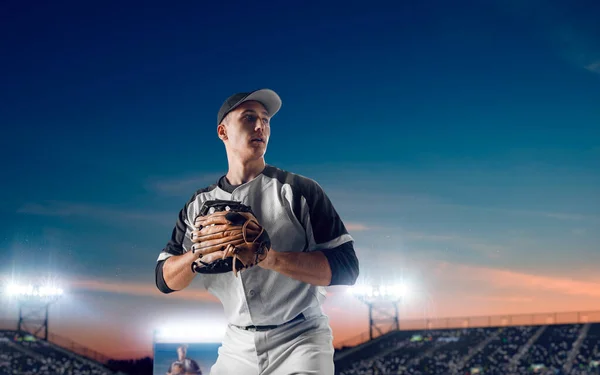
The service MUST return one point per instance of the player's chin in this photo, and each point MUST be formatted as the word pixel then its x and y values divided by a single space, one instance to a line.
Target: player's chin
pixel 258 144
pixel 258 149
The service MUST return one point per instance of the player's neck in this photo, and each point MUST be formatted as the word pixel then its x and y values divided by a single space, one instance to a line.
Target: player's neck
pixel 241 172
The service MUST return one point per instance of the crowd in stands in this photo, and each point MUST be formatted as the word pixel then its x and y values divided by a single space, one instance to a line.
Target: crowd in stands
pixel 551 349
pixel 587 360
pixel 572 349
pixel 503 346
pixel 23 354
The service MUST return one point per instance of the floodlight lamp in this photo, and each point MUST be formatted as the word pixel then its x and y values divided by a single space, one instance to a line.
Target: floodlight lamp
pixel 11 289
pixel 399 290
pixel 48 291
pixel 20 290
pixel 32 292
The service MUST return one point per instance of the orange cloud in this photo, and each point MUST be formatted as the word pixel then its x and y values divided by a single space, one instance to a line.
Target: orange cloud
pixel 503 278
pixel 139 289
pixel 356 226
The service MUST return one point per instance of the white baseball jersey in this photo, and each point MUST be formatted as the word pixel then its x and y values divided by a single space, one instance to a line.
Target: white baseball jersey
pixel 299 217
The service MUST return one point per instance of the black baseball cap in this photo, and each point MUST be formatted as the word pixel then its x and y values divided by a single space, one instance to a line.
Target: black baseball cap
pixel 266 97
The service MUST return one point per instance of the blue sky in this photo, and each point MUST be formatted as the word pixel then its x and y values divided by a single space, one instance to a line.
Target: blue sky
pixel 459 142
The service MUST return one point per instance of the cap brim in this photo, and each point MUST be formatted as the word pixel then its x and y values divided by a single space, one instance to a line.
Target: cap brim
pixel 269 98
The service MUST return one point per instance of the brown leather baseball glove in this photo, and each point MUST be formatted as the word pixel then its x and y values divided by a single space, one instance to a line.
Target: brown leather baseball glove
pixel 228 237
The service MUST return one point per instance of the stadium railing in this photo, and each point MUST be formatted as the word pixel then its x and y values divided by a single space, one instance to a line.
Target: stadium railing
pixel 77 348
pixel 577 317
pixel 62 342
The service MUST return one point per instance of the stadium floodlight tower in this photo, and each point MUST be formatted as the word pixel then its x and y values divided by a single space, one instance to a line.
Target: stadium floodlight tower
pixel 34 302
pixel 382 301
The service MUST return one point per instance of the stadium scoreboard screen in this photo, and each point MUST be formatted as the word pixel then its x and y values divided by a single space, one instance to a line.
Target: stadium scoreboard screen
pixel 182 351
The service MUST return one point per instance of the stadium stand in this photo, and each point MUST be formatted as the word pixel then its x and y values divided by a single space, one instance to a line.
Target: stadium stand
pixel 23 354
pixel 559 349
pixel 587 359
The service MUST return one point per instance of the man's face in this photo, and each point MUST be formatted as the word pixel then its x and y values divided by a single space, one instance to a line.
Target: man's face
pixel 246 131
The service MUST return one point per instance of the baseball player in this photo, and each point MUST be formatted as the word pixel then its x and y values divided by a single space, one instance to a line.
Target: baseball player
pixel 276 324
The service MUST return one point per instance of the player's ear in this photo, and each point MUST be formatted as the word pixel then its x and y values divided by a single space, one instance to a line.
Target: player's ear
pixel 222 131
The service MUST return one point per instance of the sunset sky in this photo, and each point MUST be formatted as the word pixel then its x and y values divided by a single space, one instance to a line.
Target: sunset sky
pixel 458 141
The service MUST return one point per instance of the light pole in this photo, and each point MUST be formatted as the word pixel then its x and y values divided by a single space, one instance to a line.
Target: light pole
pixel 34 301
pixel 382 301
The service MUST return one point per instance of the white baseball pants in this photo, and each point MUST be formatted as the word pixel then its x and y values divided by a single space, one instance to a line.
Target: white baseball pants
pixel 298 348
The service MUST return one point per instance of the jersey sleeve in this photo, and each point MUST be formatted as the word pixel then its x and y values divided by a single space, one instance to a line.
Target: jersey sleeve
pixel 324 227
pixel 176 245
pixel 179 240
pixel 326 232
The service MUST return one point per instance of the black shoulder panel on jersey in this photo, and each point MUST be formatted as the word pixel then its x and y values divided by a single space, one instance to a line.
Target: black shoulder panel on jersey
pixel 326 223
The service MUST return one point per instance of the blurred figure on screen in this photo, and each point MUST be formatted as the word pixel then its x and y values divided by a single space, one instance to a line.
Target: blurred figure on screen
pixel 184 365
